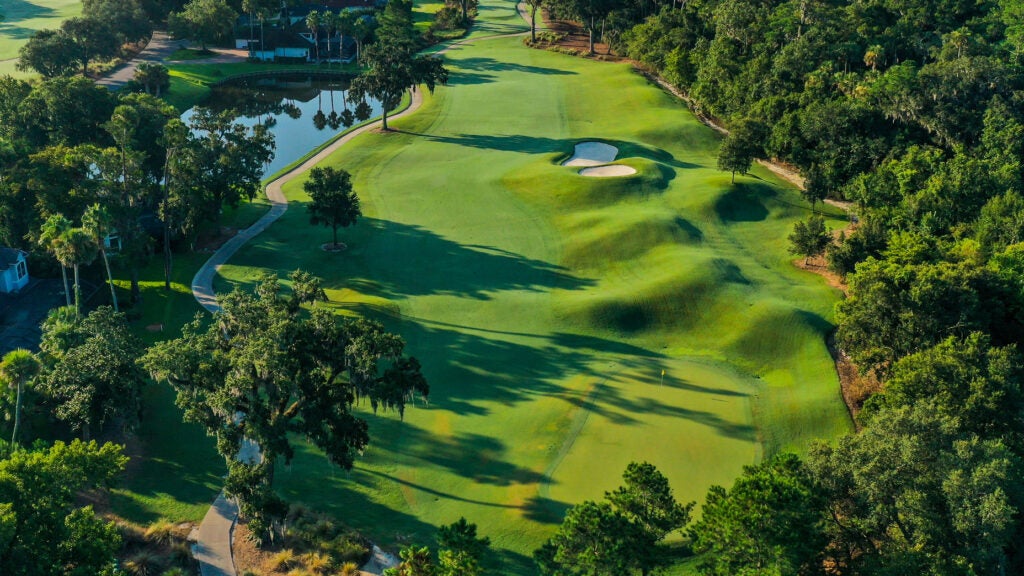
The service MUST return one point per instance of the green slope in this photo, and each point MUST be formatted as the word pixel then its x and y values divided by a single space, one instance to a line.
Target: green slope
pixel 544 306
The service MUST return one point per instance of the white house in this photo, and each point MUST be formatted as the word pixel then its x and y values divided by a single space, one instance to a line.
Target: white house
pixel 13 270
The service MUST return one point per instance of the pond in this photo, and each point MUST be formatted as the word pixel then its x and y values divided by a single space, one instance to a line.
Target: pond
pixel 302 111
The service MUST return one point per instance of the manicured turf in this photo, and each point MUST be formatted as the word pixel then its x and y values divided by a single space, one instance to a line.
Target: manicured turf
pixel 545 306
pixel 22 18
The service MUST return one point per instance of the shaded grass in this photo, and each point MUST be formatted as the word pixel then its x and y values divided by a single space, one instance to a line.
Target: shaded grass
pixel 22 18
pixel 545 307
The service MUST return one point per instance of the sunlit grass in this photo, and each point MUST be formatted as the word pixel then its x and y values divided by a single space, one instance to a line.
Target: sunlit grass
pixel 567 325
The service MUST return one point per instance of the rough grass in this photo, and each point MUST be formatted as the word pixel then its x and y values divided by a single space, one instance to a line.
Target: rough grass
pixel 545 306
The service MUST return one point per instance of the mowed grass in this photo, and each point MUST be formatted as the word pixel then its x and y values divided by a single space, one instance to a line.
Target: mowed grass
pixel 545 306
pixel 22 18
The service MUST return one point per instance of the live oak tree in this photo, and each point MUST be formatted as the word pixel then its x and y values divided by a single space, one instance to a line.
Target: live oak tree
pixel 127 18
pixel 392 65
pixel 266 372
pixel 94 38
pixel 332 201
pixel 50 53
pixel 43 530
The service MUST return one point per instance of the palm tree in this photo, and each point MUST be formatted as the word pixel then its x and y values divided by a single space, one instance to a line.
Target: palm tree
pixel 330 20
pixel 250 7
pixel 874 56
pixel 99 223
pixel 313 22
pixel 54 227
pixel 360 30
pixel 78 247
pixel 345 23
pixel 18 368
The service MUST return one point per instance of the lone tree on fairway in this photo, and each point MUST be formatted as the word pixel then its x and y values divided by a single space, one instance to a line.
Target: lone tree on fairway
pixel 392 65
pixel 741 147
pixel 334 203
pixel 266 372
pixel 809 238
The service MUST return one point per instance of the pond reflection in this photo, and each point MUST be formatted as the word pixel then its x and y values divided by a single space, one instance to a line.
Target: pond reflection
pixel 302 111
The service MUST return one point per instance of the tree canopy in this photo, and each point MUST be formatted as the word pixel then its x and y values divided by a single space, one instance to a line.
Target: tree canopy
pixel 263 371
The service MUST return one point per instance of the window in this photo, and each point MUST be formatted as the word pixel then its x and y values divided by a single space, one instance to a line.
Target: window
pixel 22 271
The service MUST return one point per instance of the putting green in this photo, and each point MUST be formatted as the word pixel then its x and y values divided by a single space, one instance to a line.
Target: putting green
pixel 545 306
pixel 22 18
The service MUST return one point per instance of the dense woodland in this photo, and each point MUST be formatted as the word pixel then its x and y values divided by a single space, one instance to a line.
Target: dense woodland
pixel 909 109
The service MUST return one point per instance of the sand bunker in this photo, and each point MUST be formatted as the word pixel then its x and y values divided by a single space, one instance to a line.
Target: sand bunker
pixel 592 154
pixel 609 170
pixel 596 156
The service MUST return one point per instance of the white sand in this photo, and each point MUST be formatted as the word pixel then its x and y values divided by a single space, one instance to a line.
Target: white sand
pixel 609 170
pixel 592 154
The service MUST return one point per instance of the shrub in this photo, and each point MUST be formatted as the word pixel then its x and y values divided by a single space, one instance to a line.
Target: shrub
pixel 144 563
pixel 283 560
pixel 317 562
pixel 160 532
pixel 181 554
pixel 349 569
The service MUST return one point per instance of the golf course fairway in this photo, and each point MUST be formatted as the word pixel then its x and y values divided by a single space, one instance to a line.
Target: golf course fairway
pixel 567 325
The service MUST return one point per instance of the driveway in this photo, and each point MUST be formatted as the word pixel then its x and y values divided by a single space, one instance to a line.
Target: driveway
pixel 160 47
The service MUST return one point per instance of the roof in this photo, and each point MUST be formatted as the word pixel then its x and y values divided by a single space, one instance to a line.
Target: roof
pixel 9 257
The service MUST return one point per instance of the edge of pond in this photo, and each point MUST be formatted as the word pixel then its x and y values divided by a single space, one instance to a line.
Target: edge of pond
pixel 402 106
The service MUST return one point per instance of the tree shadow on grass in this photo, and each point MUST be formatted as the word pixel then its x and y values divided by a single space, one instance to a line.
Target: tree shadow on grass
pixel 541 145
pixel 15 11
pixel 470 368
pixel 744 202
pixel 425 263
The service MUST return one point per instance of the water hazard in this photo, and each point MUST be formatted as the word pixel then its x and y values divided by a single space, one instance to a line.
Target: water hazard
pixel 302 111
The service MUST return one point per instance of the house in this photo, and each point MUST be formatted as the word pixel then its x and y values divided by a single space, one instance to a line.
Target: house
pixel 13 270
pixel 286 38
